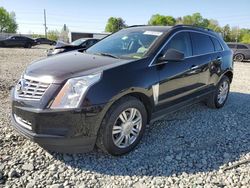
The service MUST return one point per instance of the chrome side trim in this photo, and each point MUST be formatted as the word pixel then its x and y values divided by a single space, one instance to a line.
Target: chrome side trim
pixel 23 122
pixel 186 30
pixel 155 93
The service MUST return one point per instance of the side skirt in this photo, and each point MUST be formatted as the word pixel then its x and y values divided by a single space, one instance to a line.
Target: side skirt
pixel 162 113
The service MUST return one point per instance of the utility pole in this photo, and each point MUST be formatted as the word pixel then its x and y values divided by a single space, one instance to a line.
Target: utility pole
pixel 45 25
pixel 237 34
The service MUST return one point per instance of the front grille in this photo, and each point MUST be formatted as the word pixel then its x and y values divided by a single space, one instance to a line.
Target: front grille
pixel 24 123
pixel 31 89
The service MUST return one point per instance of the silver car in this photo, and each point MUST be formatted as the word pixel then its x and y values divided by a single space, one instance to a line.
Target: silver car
pixel 241 51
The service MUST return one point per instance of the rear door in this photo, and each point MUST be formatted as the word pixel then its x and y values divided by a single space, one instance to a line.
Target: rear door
pixel 203 48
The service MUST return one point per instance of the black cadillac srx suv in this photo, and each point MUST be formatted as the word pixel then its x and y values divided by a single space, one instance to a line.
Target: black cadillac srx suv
pixel 106 95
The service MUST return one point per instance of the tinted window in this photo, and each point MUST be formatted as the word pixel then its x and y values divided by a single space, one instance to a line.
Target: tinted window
pixel 241 47
pixel 182 43
pixel 202 44
pixel 231 45
pixel 217 45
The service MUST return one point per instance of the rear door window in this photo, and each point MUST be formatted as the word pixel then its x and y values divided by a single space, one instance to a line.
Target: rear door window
pixel 241 47
pixel 217 45
pixel 182 43
pixel 202 44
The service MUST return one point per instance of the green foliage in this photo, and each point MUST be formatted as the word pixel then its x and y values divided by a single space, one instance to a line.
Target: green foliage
pixel 195 19
pixel 158 19
pixel 114 24
pixel 246 38
pixel 7 21
pixel 37 36
pixel 53 35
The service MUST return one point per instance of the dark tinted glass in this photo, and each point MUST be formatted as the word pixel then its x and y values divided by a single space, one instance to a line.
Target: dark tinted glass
pixel 202 44
pixel 182 43
pixel 231 45
pixel 241 47
pixel 217 45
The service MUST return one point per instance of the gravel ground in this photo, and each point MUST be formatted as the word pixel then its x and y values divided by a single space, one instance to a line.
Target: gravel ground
pixel 195 147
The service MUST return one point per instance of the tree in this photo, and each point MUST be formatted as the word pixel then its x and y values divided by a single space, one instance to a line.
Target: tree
pixel 226 33
pixel 115 24
pixel 7 21
pixel 53 35
pixel 214 25
pixel 158 19
pixel 246 38
pixel 195 19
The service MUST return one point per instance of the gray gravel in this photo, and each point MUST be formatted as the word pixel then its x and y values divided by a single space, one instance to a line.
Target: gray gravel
pixel 195 147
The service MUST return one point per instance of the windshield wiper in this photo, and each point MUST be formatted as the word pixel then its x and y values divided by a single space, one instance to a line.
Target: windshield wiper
pixel 108 55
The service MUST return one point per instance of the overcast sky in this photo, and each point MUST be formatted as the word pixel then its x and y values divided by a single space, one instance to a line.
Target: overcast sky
pixel 91 16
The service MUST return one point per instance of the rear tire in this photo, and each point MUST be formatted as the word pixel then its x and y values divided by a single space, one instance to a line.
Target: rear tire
pixel 239 57
pixel 220 95
pixel 122 127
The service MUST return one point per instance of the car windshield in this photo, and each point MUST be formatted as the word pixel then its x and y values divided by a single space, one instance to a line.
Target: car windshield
pixel 78 42
pixel 126 44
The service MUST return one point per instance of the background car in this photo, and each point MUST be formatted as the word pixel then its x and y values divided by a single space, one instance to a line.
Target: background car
pixel 82 43
pixel 45 41
pixel 241 51
pixel 18 41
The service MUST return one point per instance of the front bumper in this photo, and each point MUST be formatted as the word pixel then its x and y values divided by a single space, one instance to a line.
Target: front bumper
pixel 65 131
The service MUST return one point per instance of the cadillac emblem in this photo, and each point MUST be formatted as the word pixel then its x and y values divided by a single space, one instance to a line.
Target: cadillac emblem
pixel 20 86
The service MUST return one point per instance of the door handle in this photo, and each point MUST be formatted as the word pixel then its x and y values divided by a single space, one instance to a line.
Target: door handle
pixel 194 67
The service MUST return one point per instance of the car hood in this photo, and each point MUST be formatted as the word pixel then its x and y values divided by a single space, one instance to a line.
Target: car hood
pixel 71 64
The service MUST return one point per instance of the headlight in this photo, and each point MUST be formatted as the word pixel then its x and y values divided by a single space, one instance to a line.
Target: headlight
pixel 74 90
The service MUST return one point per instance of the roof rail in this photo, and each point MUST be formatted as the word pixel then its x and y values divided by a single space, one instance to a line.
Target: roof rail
pixel 135 26
pixel 193 26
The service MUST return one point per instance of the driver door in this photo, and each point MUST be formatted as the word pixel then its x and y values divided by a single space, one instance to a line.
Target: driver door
pixel 177 79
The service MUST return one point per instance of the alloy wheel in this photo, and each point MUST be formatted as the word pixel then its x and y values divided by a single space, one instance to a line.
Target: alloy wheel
pixel 223 92
pixel 127 127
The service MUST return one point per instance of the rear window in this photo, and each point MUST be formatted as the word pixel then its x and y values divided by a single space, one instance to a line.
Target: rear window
pixel 241 47
pixel 217 45
pixel 202 44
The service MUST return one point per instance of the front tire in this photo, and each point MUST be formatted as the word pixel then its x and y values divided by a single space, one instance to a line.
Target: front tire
pixel 220 95
pixel 122 127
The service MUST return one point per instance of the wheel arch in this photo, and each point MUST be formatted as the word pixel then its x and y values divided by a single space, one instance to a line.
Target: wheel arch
pixel 143 96
pixel 229 74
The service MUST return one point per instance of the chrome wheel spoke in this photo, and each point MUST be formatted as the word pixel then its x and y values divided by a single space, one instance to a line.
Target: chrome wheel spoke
pixel 117 129
pixel 127 140
pixel 119 139
pixel 123 117
pixel 134 132
pixel 132 114
pixel 138 120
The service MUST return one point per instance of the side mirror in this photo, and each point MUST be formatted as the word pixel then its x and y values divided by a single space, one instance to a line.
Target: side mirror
pixel 172 55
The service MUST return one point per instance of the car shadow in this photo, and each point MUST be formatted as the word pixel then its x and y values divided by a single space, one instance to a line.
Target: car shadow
pixel 195 139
